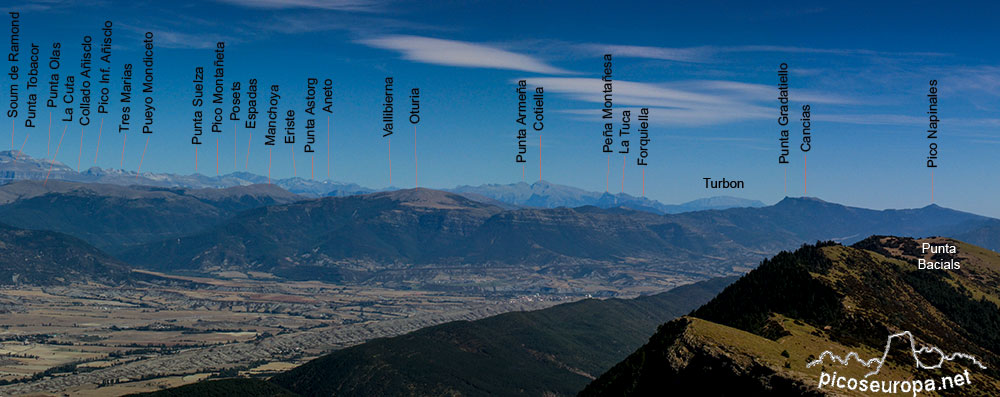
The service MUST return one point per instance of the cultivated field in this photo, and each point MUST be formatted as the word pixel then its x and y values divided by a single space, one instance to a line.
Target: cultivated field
pixel 93 339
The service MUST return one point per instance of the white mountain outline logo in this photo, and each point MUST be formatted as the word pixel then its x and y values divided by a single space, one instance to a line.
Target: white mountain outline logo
pixel 888 344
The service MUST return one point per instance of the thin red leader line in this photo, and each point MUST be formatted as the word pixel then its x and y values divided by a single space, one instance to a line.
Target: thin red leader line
pixel 49 143
pixel 539 157
pixel 217 155
pixel 79 156
pixel 124 139
pixel 607 178
pixel 142 158
pixel 389 141
pixel 56 155
pixel 416 165
pixel 12 140
pixel 249 141
pixel 644 182
pixel 623 174
pixel 805 174
pixel 328 147
pixel 21 150
pixel 99 131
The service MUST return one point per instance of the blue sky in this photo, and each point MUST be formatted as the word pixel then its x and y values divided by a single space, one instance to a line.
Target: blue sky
pixel 707 72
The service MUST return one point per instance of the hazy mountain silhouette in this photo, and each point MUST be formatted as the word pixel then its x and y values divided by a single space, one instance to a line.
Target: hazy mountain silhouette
pixel 539 194
pixel 543 194
pixel 114 217
pixel 23 167
pixel 424 226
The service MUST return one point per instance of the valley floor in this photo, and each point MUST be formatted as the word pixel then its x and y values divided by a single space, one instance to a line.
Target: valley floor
pixel 97 340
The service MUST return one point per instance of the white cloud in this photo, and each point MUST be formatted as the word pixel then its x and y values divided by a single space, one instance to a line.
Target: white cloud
pixel 49 5
pixel 169 38
pixel 459 53
pixel 334 5
pixel 915 123
pixel 975 78
pixel 693 102
pixel 357 24
pixel 872 119
pixel 767 91
pixel 694 116
pixel 831 51
pixel 706 54
pixel 627 92
pixel 689 106
pixel 695 54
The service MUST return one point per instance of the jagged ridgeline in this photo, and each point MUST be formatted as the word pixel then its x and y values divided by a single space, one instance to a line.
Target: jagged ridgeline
pixel 17 166
pixel 758 335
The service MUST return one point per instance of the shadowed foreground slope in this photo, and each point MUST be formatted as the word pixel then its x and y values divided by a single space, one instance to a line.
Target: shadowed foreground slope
pixel 553 351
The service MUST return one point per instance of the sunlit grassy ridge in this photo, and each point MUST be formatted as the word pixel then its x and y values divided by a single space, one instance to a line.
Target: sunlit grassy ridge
pixel 759 333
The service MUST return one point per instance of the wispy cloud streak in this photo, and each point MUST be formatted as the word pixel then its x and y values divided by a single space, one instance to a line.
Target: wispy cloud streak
pixel 706 54
pixel 333 5
pixel 460 53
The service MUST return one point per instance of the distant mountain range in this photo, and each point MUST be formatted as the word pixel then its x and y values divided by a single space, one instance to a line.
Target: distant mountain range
pixel 18 166
pixel 543 194
pixel 357 238
pixel 23 167
pixel 354 238
pixel 116 217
